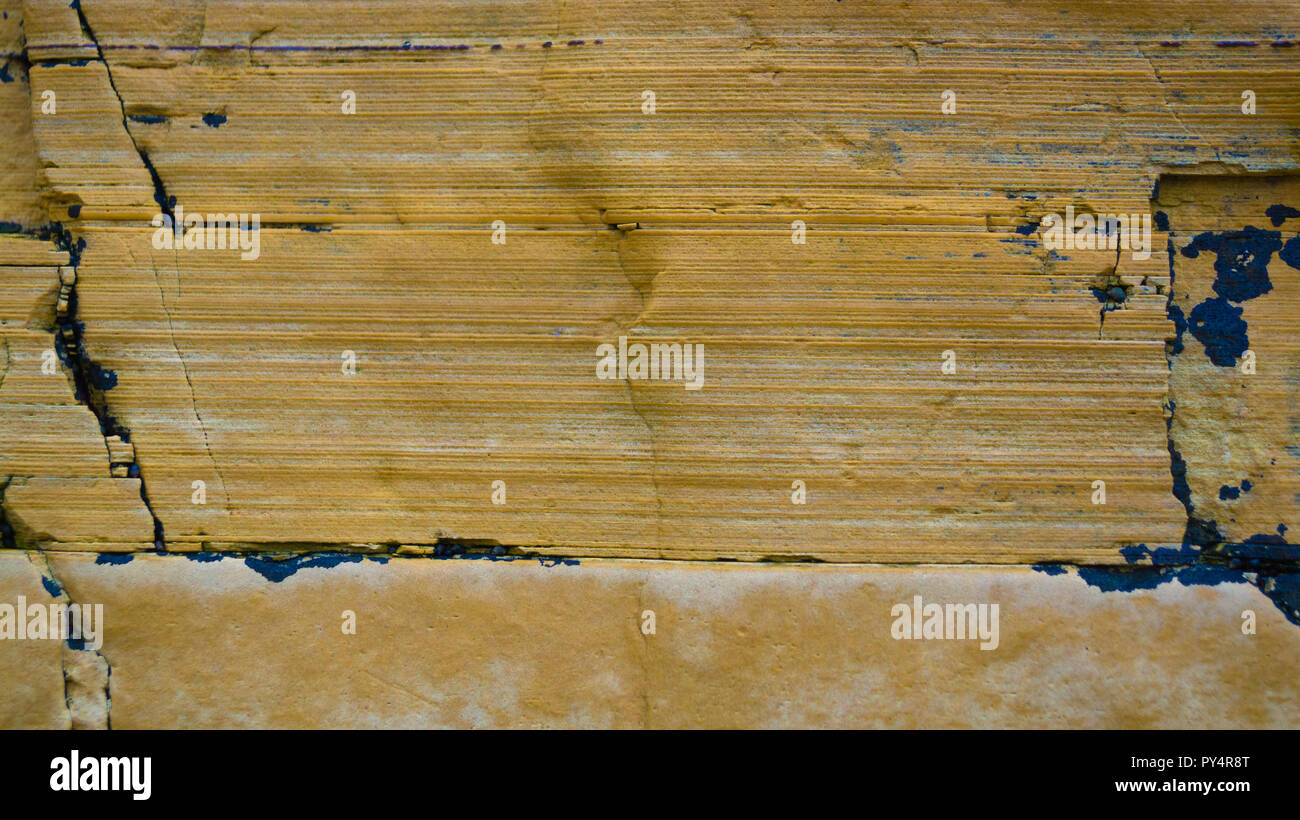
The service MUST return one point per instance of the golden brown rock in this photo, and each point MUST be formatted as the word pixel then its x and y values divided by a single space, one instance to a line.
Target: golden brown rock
pixel 377 340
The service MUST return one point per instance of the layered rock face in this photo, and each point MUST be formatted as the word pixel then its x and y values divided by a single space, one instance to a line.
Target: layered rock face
pixel 617 365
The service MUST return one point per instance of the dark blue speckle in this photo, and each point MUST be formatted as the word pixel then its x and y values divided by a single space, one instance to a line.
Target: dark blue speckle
pixel 204 557
pixel 101 377
pixel 214 120
pixel 1278 214
pixel 51 586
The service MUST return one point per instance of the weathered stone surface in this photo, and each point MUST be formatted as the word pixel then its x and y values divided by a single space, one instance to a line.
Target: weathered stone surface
pixel 203 643
pixel 31 670
pixel 85 512
pixel 1237 280
pixel 20 205
pixel 475 360
pixel 433 272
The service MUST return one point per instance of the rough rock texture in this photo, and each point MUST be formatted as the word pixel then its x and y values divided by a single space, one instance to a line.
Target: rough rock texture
pixel 458 202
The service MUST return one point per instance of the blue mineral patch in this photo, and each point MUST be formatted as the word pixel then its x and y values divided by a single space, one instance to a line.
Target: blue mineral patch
pixel 276 571
pixel 1218 326
pixel 1284 592
pixel 1175 314
pixel 1277 214
pixel 1241 260
pixel 51 586
pixel 1290 252
pixel 1129 579
pixel 1229 492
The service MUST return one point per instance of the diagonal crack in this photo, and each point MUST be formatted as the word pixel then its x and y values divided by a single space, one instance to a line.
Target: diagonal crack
pixel 166 203
pixel 185 368
pixel 1155 74
pixel 646 296
pixel 89 379
pixel 654 461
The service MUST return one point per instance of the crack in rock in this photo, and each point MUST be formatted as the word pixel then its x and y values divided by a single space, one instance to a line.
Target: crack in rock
pixel 86 672
pixel 166 203
pixel 90 381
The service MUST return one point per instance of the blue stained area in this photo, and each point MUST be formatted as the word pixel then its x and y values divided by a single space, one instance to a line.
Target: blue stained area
pixel 1290 252
pixel 1241 263
pixel 51 586
pixel 1241 274
pixel 1229 492
pixel 1128 579
pixel 1175 314
pixel 1218 326
pixel 276 570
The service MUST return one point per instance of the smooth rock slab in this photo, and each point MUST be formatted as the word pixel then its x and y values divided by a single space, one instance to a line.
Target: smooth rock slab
pixel 204 641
